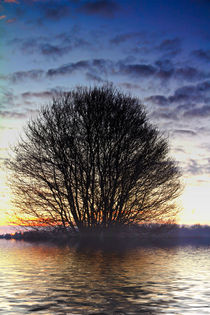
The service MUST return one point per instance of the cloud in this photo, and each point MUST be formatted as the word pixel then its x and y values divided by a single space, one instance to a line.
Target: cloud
pixel 190 101
pixel 184 132
pixel 7 97
pixel 163 70
pixel 166 115
pixel 11 20
pixel 186 106
pixel 190 73
pixel 149 70
pixel 202 54
pixel 54 11
pixel 8 114
pixel 188 95
pixel 130 86
pixel 11 1
pixel 29 45
pixel 54 50
pixel 201 112
pixel 106 8
pixel 100 67
pixel 35 74
pixel 198 92
pixel 96 67
pixel 137 70
pixel 50 47
pixel 104 66
pixel 170 47
pixel 158 99
pixel 194 168
pixel 59 50
pixel 118 39
pixel 42 94
pixel 94 77
pixel 68 68
pixel 184 73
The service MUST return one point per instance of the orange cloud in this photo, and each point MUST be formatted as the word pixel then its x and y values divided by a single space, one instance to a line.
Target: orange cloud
pixel 11 1
pixel 11 20
pixel 2 17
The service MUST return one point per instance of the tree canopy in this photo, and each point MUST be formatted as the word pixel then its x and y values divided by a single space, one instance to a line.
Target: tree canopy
pixel 91 160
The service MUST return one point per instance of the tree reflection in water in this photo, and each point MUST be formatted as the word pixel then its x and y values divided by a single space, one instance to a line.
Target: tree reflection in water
pixel 48 279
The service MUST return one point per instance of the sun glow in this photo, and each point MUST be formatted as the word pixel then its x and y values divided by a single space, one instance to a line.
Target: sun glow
pixel 195 199
pixel 196 203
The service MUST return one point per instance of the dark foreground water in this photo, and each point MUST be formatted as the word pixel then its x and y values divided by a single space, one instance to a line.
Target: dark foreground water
pixel 48 279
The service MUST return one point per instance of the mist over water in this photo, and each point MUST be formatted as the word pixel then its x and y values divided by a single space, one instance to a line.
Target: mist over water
pixel 38 278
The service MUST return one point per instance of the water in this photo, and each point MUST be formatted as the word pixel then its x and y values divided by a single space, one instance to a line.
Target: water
pixel 48 279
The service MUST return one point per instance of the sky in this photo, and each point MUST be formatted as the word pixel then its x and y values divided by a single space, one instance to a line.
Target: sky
pixel 158 51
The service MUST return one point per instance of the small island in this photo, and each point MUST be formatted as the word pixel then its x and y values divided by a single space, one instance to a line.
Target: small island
pixel 135 236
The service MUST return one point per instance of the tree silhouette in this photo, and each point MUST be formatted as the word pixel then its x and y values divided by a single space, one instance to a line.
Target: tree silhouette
pixel 91 160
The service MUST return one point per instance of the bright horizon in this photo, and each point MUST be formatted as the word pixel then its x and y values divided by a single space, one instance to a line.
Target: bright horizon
pixel 157 52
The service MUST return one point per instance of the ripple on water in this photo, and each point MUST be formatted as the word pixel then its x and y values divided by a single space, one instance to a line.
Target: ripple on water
pixel 44 279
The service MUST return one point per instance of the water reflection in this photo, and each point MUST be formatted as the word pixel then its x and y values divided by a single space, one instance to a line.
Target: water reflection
pixel 47 279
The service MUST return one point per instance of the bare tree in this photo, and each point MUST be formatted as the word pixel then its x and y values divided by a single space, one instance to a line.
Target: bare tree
pixel 91 160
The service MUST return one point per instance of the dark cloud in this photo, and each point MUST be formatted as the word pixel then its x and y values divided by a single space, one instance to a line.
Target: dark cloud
pixel 162 72
pixel 118 39
pixel 192 93
pixel 8 114
pixel 169 44
pixel 100 67
pixel 28 45
pixel 68 68
pixel 202 54
pixel 95 67
pixel 130 86
pixel 56 47
pixel 20 12
pixel 165 69
pixel 105 8
pixel 164 64
pixel 137 70
pixel 184 132
pixel 186 106
pixel 165 74
pixel 11 20
pixel 158 99
pixel 170 47
pixel 194 168
pixel 188 95
pixel 103 66
pixel 19 76
pixel 166 115
pixel 7 96
pixel 190 101
pixel 54 10
pixel 180 73
pixel 54 50
pixel 42 94
pixel 189 74
pixel 94 77
pixel 201 112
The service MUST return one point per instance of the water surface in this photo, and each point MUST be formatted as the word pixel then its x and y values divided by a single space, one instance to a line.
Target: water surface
pixel 49 279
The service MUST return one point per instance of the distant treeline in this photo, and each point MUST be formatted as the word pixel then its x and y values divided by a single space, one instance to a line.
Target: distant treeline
pixel 160 233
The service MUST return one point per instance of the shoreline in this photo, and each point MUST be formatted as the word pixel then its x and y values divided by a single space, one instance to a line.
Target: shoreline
pixel 195 235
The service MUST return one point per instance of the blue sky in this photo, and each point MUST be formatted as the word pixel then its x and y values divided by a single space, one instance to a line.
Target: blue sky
pixel 158 51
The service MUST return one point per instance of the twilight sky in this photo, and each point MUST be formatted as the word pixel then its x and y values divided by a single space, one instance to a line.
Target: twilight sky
pixel 156 50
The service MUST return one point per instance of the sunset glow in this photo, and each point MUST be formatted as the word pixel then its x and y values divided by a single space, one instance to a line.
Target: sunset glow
pixel 196 202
